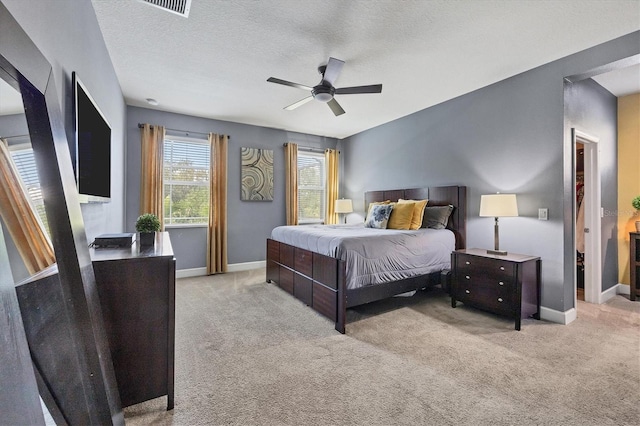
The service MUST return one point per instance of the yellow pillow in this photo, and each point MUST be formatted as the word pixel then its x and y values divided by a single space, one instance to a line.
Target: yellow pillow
pixel 418 211
pixel 400 216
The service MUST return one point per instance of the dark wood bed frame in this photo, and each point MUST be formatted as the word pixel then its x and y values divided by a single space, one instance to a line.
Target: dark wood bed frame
pixel 319 280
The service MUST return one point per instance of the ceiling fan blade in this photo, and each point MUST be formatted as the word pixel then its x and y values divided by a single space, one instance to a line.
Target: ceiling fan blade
pixel 374 88
pixel 334 66
pixel 288 83
pixel 297 104
pixel 335 107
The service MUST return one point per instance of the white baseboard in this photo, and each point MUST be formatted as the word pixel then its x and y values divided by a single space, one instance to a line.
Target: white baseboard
pixel 193 272
pixel 246 266
pixel 609 293
pixel 557 316
pixel 570 315
pixel 623 289
pixel 234 267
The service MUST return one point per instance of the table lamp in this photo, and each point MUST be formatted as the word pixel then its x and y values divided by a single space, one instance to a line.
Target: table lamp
pixel 344 205
pixel 498 205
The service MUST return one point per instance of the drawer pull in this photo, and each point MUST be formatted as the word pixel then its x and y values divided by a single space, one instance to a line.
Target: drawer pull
pixel 467 277
pixel 500 299
pixel 501 283
pixel 467 263
pixel 502 268
pixel 467 291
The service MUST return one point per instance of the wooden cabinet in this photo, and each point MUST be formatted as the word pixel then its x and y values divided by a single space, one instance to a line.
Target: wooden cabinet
pixel 503 284
pixel 634 265
pixel 137 295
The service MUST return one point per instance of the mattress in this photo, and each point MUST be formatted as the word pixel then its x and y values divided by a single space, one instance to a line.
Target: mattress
pixel 374 256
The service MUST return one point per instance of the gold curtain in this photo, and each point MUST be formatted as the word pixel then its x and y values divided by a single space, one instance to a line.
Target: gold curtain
pixel 217 235
pixel 291 182
pixel 333 185
pixel 151 171
pixel 18 215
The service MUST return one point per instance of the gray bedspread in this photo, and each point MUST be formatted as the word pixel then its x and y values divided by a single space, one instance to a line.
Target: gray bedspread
pixel 374 256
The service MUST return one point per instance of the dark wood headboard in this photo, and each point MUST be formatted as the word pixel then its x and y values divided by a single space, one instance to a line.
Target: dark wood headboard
pixel 437 196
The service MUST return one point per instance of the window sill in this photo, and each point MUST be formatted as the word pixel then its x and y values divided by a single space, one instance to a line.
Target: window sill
pixel 185 225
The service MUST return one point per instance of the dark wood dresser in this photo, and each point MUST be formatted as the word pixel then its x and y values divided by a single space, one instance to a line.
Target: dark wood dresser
pixel 634 265
pixel 503 284
pixel 137 295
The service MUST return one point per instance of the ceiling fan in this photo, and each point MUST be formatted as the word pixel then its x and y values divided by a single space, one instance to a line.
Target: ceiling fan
pixel 324 91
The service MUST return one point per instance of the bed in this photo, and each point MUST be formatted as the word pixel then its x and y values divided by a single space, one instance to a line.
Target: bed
pixel 315 268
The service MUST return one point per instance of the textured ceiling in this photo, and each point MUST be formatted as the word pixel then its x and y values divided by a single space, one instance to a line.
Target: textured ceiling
pixel 215 63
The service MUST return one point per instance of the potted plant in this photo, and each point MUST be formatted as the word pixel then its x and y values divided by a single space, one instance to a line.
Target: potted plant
pixel 147 225
pixel 636 205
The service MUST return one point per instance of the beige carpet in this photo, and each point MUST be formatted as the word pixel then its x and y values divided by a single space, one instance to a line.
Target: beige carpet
pixel 247 353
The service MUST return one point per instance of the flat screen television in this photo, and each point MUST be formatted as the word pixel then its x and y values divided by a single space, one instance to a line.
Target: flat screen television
pixel 92 163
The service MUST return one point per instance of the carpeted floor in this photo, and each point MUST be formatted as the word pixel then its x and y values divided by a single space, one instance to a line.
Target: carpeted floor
pixel 247 353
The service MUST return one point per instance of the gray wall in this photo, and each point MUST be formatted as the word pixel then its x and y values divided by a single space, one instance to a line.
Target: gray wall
pixel 510 136
pixel 249 222
pixel 68 35
pixel 507 137
pixel 13 125
pixel 592 109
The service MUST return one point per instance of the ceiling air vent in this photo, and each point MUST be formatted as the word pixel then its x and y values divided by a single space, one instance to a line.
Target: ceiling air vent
pixel 179 7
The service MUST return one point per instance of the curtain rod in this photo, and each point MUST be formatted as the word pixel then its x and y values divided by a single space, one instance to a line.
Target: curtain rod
pixel 309 148
pixel 141 125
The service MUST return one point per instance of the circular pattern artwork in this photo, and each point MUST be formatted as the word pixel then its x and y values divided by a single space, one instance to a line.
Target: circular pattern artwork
pixel 257 174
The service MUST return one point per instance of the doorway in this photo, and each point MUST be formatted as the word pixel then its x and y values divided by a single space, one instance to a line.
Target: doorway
pixel 587 225
pixel 580 264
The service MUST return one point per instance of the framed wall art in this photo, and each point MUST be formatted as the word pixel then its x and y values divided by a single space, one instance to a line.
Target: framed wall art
pixel 257 174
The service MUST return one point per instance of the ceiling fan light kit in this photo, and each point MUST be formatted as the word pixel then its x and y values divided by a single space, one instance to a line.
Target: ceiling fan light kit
pixel 325 91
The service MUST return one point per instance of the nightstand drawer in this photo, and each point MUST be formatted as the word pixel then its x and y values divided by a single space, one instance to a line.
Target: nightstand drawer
pixel 474 264
pixel 482 279
pixel 489 297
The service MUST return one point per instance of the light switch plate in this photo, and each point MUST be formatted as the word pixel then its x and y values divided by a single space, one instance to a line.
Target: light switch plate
pixel 543 214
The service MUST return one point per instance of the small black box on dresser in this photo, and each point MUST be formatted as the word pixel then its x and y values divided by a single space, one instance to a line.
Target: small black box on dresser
pixel 506 285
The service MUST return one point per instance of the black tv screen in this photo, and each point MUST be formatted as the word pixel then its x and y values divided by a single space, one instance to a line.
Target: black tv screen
pixel 93 147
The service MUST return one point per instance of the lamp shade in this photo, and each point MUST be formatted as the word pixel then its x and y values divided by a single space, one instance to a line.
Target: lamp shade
pixel 344 205
pixel 498 205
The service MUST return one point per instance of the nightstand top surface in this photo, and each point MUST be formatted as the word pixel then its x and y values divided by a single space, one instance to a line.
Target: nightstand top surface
pixel 511 257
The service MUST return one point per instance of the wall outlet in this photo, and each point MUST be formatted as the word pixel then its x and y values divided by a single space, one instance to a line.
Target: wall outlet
pixel 543 214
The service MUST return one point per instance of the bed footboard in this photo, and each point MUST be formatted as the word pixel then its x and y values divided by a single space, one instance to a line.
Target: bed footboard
pixel 315 279
pixel 320 281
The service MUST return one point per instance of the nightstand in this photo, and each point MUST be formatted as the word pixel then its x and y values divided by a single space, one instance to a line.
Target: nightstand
pixel 506 285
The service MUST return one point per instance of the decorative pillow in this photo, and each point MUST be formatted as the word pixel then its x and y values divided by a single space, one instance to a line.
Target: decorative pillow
pixel 436 217
pixel 376 203
pixel 379 216
pixel 401 216
pixel 418 212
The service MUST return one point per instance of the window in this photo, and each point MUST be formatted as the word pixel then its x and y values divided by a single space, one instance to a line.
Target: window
pixel 311 187
pixel 186 181
pixel 25 163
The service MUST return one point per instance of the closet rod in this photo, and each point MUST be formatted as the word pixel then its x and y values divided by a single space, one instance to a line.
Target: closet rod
pixel 141 125
pixel 310 149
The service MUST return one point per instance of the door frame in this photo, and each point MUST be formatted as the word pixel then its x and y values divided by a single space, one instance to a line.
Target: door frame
pixel 592 218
